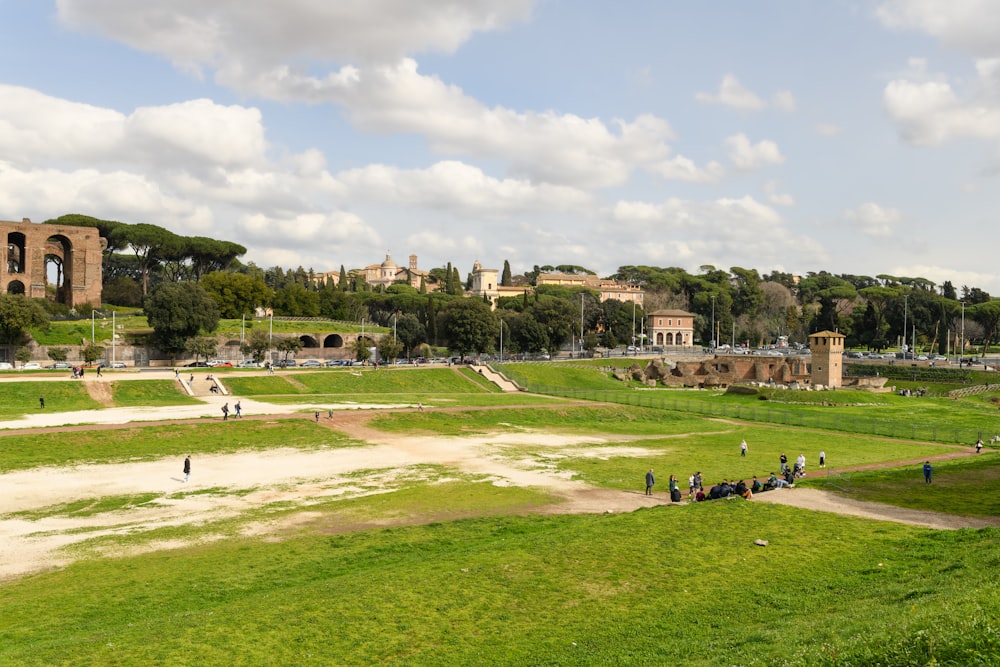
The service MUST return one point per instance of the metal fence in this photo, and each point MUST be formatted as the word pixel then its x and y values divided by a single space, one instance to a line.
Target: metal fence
pixel 770 415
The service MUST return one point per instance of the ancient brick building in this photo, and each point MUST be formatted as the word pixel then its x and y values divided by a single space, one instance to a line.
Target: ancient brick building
pixel 52 261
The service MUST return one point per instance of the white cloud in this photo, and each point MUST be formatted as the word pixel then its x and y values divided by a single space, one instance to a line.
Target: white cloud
pixel 930 113
pixel 230 34
pixel 874 220
pixel 734 94
pixel 460 188
pixel 746 156
pixel 970 25
pixel 784 100
pixel 777 198
pixel 828 129
pixel 681 168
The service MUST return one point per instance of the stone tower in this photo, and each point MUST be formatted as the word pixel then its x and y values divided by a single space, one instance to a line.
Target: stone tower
pixel 827 349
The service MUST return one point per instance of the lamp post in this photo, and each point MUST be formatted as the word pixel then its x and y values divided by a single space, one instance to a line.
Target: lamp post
pixel 633 322
pixel 92 331
pixel 501 340
pixel 961 352
pixel 903 350
pixel 711 342
pixel 581 324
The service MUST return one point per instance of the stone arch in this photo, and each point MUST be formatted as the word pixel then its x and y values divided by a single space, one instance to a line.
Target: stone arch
pixel 333 340
pixel 16 244
pixel 59 268
pixel 308 341
pixel 15 287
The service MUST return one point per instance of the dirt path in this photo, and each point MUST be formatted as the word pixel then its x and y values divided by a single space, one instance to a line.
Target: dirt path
pixel 37 526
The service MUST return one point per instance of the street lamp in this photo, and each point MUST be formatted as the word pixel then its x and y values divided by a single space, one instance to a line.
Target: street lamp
pixel 501 341
pixel 903 347
pixel 961 352
pixel 711 342
pixel 581 324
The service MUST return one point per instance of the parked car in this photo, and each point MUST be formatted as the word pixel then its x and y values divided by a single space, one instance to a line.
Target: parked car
pixel 249 363
pixel 220 363
pixel 31 366
pixel 333 362
pixel 197 364
pixel 310 363
pixel 61 364
pixel 4 366
pixel 285 363
pixel 116 364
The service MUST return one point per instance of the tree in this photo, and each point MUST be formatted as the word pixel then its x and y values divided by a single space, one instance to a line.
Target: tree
pixel 468 326
pixel 296 301
pixel 360 347
pixel 148 242
pixel 178 311
pixel 388 348
pixel 58 353
pixel 92 353
pixel 236 294
pixel 18 314
pixel 288 345
pixel 201 346
pixel 505 277
pixel 410 331
pixel 23 354
pixel 256 345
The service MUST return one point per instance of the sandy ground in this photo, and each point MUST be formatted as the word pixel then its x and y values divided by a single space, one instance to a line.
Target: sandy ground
pixel 234 484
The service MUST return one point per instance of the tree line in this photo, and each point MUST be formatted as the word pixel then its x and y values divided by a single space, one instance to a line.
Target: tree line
pixel 746 307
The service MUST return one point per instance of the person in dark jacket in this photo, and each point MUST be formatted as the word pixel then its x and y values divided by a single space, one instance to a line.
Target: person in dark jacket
pixel 650 481
pixel 187 467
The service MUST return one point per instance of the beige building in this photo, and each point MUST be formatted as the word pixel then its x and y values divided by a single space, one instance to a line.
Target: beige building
pixel 385 274
pixel 827 348
pixel 670 328
pixel 608 289
pixel 486 283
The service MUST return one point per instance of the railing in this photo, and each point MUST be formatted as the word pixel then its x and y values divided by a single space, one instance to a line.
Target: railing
pixel 768 415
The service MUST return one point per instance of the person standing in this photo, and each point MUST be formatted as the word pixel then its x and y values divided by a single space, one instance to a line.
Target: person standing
pixel 979 445
pixel 675 490
pixel 784 463
pixel 690 486
pixel 650 481
pixel 238 410
pixel 187 468
pixel 317 416
pixel 41 402
pixel 225 412
pixel 743 448
pixel 822 459
pixel 928 471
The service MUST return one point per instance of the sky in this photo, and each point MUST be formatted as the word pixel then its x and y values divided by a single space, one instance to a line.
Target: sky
pixel 823 135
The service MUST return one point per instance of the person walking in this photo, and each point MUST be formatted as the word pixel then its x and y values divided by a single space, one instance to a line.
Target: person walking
pixel 187 468
pixel 238 410
pixel 743 448
pixel 317 416
pixel 928 471
pixel 822 459
pixel 979 445
pixel 650 481
pixel 225 412
pixel 99 366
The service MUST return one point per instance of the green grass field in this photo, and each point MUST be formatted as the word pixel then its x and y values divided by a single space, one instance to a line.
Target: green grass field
pixel 432 566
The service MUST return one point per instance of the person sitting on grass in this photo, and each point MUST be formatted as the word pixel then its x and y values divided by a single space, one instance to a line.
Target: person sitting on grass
pixel 699 495
pixel 756 486
pixel 740 489
pixel 776 482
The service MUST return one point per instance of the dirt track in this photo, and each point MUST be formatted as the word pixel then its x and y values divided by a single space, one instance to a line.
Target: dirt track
pixel 244 482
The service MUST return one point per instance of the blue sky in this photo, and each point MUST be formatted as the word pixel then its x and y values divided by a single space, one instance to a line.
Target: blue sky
pixel 851 137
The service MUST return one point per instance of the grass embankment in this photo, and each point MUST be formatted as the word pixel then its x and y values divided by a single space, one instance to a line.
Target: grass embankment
pixel 20 398
pixel 441 387
pixel 884 414
pixel 661 586
pixel 153 393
